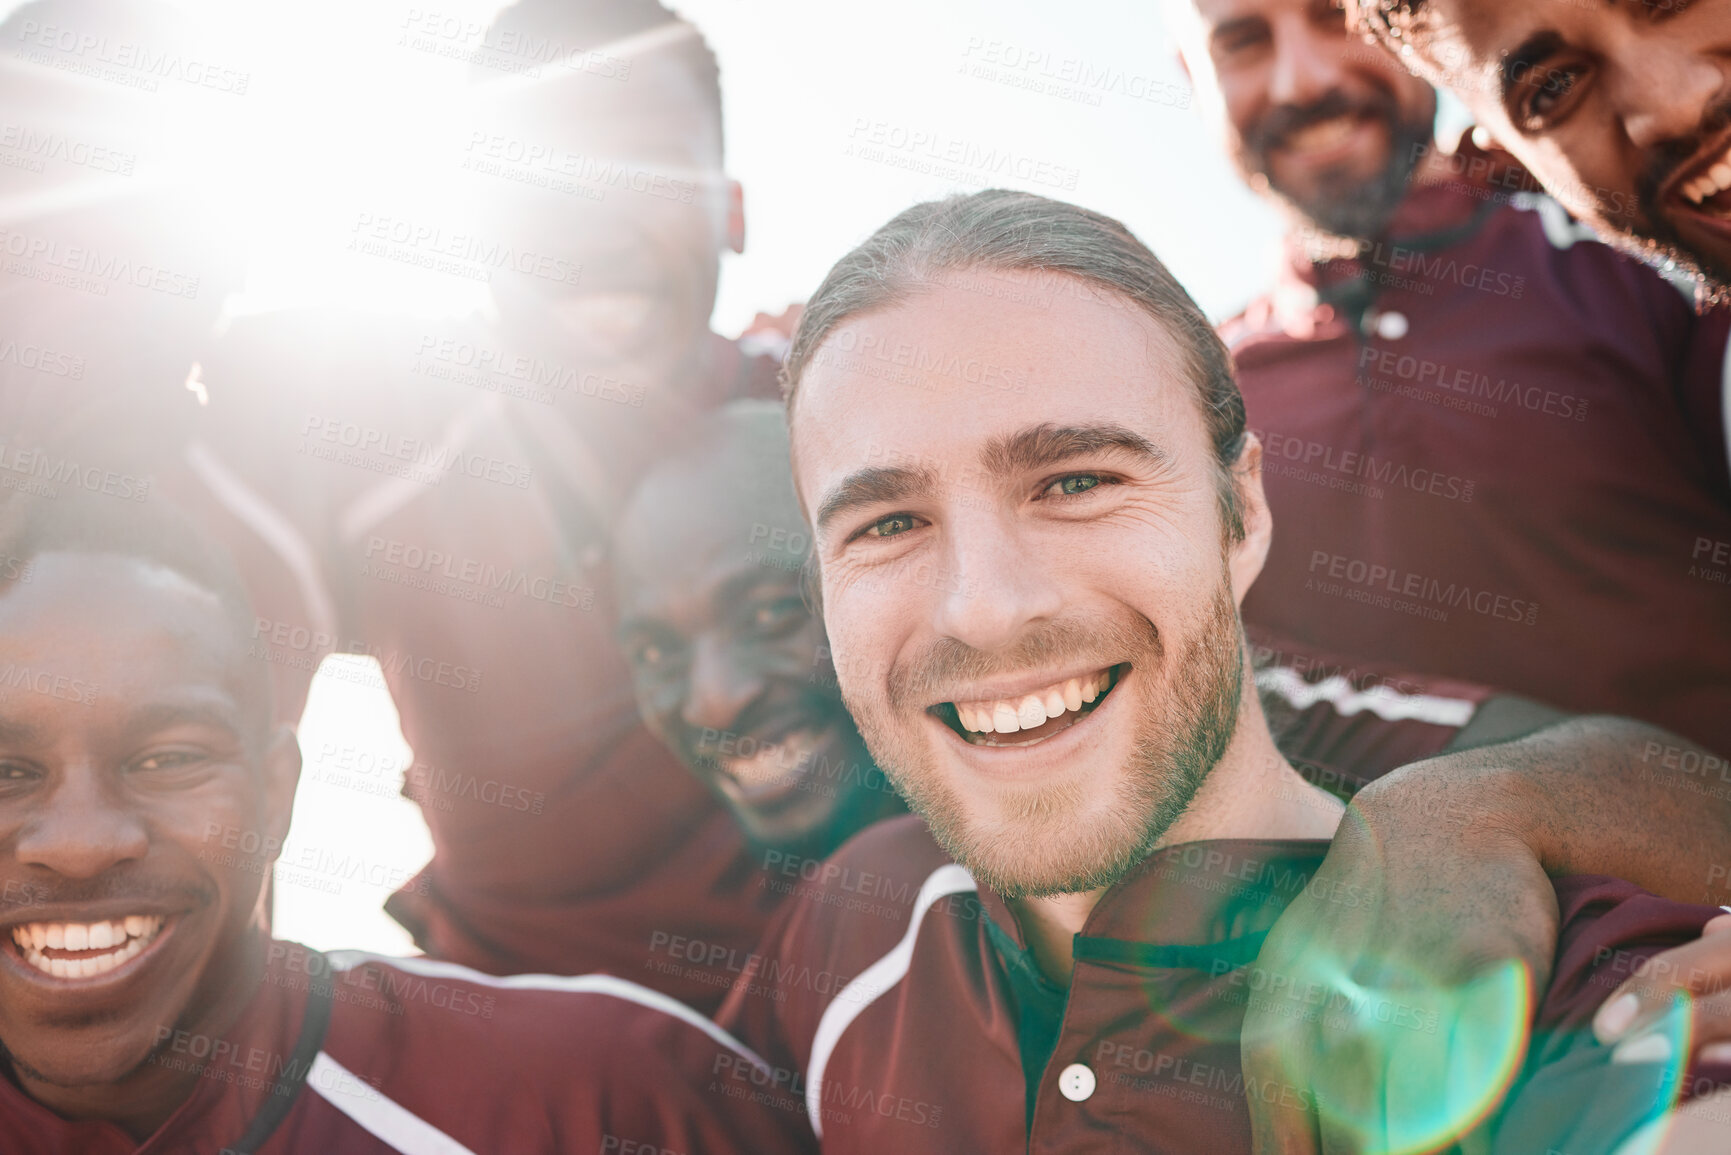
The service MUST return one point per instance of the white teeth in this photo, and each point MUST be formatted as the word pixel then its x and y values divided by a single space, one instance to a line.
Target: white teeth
pixel 1715 180
pixel 1322 134
pixel 119 939
pixel 1007 717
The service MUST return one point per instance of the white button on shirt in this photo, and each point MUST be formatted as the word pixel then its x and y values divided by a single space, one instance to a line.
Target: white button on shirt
pixel 1076 1082
pixel 1392 326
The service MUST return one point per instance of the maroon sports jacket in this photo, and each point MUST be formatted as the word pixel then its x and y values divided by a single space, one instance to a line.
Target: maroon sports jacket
pixel 1496 449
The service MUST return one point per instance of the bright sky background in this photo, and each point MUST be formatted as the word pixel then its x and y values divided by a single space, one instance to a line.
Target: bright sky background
pixel 838 115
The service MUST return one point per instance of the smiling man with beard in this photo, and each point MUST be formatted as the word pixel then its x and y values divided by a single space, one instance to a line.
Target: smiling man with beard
pixel 1487 435
pixel 1492 446
pixel 1620 110
pixel 730 661
pixel 1033 603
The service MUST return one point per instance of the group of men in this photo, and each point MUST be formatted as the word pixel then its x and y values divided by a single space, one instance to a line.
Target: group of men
pixel 1309 735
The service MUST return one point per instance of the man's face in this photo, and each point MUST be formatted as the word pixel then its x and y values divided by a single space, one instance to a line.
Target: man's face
pixel 137 809
pixel 1031 603
pixel 626 223
pixel 730 664
pixel 1327 123
pixel 1621 110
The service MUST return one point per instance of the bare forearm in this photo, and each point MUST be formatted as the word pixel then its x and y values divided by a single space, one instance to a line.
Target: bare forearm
pixel 1604 795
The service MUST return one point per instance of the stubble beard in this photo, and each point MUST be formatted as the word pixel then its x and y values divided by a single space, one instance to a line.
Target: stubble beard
pixel 1056 839
pixel 1357 209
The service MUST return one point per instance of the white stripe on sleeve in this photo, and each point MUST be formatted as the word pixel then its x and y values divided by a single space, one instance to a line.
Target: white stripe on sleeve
pixel 872 982
pixel 594 984
pixel 383 1118
pixel 1384 701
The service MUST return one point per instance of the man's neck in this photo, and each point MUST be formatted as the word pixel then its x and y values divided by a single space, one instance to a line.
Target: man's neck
pixel 1252 793
pixel 143 1100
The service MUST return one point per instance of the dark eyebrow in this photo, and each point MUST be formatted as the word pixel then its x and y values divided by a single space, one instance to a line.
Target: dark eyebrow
pixel 18 733
pixel 874 485
pixel 1236 25
pixel 1046 445
pixel 1516 66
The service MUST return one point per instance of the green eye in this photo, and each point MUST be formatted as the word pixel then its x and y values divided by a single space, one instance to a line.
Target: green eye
pixel 1080 483
pixel 892 526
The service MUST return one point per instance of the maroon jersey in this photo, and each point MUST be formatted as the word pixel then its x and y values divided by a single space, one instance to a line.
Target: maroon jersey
pixel 1496 449
pixel 946 1036
pixel 353 1054
pixel 443 502
pixel 899 1007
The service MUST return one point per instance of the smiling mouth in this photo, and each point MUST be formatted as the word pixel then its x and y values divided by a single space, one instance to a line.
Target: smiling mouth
pixel 1323 135
pixel 83 950
pixel 1031 718
pixel 1709 190
pixel 772 766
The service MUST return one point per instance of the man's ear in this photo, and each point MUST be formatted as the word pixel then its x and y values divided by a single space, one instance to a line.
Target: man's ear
pixel 281 768
pixel 1246 557
pixel 735 217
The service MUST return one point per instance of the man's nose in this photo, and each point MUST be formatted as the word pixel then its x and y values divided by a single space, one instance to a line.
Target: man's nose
pixel 1307 64
pixel 82 828
pixel 989 588
pixel 719 686
pixel 1665 89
